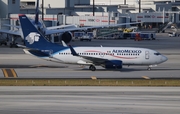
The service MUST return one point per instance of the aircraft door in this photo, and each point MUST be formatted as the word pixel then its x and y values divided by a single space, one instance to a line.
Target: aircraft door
pixel 101 55
pixel 146 54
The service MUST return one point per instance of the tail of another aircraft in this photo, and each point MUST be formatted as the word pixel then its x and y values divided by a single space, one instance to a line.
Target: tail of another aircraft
pixel 39 23
pixel 37 13
pixel 33 38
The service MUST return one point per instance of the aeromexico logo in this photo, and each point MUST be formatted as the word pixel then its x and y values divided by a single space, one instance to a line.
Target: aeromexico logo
pixel 32 37
pixel 126 51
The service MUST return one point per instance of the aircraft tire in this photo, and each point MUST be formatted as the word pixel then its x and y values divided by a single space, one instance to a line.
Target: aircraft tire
pixel 149 68
pixel 92 68
pixel 11 45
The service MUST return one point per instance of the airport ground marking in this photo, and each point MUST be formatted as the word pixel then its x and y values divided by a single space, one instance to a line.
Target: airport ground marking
pixel 5 73
pixel 89 82
pixel 145 77
pixel 14 73
pixel 9 73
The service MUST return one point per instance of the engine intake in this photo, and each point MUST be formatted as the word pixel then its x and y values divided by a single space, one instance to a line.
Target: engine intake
pixel 66 37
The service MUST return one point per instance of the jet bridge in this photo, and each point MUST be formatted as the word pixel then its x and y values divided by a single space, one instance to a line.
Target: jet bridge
pixel 164 27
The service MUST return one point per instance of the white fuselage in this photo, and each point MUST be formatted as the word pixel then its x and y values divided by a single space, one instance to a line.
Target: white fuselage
pixel 128 55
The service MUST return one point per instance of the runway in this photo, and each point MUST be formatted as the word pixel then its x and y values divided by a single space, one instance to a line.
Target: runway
pixel 31 67
pixel 89 100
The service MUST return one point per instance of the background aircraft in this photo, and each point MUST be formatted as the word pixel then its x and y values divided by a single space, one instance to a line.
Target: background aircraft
pixel 107 57
pixel 39 24
pixel 64 34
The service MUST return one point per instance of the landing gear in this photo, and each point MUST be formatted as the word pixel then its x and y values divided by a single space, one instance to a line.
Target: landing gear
pixel 13 45
pixel 149 68
pixel 92 68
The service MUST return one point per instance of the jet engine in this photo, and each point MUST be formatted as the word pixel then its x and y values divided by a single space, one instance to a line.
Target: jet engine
pixel 113 64
pixel 66 37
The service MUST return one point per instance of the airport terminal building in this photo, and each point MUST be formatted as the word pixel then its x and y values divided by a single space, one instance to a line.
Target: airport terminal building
pixel 80 12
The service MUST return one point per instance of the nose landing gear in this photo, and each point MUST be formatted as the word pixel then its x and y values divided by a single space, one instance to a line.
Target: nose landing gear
pixel 150 66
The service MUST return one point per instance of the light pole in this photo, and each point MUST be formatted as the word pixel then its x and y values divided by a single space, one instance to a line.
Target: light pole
pixel 139 6
pixel 93 7
pixel 43 10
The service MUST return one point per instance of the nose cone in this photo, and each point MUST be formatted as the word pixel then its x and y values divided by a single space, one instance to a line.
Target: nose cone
pixel 164 58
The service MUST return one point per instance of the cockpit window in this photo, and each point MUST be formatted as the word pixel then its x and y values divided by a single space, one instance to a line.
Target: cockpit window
pixel 157 54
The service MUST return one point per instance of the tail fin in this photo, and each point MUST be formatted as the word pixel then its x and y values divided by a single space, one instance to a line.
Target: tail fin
pixel 37 13
pixel 32 37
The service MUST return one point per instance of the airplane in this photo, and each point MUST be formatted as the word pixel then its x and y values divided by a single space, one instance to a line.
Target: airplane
pixel 39 24
pixel 64 34
pixel 107 57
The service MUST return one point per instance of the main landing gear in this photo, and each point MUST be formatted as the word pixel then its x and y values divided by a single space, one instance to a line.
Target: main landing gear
pixel 13 45
pixel 149 68
pixel 92 68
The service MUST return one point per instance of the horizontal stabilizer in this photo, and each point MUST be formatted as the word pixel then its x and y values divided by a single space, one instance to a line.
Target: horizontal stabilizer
pixel 37 53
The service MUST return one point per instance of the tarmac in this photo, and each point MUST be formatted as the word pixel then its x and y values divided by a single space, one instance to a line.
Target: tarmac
pixel 26 66
pixel 89 100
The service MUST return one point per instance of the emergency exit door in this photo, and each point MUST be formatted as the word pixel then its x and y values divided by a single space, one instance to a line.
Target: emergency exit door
pixel 147 54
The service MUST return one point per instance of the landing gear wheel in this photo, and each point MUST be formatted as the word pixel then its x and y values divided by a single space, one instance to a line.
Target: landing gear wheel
pixel 13 45
pixel 149 68
pixel 92 68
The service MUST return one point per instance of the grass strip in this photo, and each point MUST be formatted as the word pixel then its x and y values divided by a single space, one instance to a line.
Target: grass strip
pixel 89 82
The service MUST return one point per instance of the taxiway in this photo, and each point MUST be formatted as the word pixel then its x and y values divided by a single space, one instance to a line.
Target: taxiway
pixel 27 66
pixel 89 100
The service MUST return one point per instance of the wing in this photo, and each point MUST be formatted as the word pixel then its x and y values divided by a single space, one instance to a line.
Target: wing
pixel 61 27
pixel 17 33
pixel 48 32
pixel 94 60
pixel 12 26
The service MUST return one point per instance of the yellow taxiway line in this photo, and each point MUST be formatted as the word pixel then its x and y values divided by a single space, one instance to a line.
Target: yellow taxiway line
pixel 9 73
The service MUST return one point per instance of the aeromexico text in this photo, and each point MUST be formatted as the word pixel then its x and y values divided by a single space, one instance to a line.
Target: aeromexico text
pixel 126 51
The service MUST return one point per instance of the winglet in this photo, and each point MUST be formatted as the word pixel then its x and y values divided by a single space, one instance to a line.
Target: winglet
pixel 73 52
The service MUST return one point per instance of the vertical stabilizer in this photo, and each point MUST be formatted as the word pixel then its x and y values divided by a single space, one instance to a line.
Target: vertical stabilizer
pixel 32 37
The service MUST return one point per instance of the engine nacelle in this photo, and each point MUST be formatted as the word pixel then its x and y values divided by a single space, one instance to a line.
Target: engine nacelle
pixel 113 64
pixel 66 37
